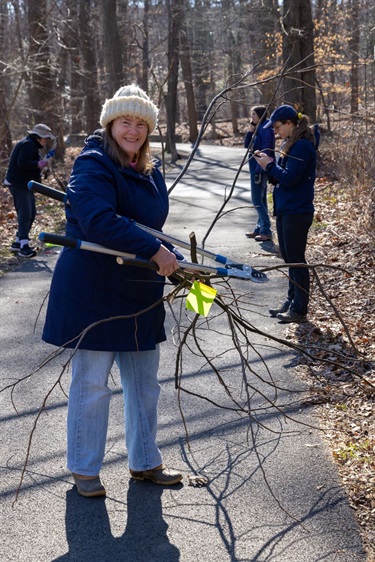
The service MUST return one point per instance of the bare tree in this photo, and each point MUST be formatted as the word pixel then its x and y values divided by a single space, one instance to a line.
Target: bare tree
pixel 112 47
pixel 187 75
pixel 92 102
pixel 354 45
pixel 41 87
pixel 5 134
pixel 202 55
pixel 175 10
pixel 145 46
pixel 298 51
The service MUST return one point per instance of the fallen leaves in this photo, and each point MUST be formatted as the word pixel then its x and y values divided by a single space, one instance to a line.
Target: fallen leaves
pixel 346 396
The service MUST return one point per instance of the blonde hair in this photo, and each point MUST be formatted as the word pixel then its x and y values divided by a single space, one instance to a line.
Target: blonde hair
pixel 144 162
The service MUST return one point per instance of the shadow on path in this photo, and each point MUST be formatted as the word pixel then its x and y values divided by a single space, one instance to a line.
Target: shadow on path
pixel 145 537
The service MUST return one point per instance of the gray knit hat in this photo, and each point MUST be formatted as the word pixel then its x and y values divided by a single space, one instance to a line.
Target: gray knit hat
pixel 42 131
pixel 133 101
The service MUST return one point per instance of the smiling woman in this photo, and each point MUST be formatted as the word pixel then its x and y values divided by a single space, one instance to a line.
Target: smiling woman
pixel 130 133
pixel 114 185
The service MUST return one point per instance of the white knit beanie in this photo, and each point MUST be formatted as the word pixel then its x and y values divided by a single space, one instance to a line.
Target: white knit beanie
pixel 133 101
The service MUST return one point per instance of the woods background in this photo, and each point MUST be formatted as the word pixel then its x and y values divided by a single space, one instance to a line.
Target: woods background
pixel 210 61
pixel 60 59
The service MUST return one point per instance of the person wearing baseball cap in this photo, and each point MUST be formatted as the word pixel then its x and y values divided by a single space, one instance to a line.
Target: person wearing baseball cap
pixel 293 176
pixel 26 164
pixel 115 184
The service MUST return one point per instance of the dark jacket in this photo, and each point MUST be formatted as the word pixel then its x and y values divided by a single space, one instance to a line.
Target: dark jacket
pixel 295 177
pixel 89 287
pixel 264 141
pixel 23 163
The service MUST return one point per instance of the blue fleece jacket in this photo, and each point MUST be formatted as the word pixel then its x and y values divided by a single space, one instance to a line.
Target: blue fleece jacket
pixel 295 177
pixel 264 140
pixel 104 200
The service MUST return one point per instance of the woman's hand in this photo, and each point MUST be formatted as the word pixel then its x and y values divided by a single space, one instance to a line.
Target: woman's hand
pixel 166 261
pixel 262 159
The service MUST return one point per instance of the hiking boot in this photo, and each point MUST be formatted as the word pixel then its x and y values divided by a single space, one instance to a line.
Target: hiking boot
pixel 89 486
pixel 15 247
pixel 160 475
pixel 283 308
pixel 27 252
pixel 263 237
pixel 291 316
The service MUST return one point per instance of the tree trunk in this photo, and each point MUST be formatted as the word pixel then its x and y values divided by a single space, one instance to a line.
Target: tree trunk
pixel 232 59
pixel 41 87
pixel 175 8
pixel 354 45
pixel 202 56
pixel 74 104
pixel 145 47
pixel 90 80
pixel 112 47
pixel 5 134
pixel 298 53
pixel 187 76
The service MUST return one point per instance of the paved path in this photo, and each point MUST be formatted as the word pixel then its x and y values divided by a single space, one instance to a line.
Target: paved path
pixel 273 492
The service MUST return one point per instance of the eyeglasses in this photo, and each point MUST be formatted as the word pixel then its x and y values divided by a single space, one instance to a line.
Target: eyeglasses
pixel 278 126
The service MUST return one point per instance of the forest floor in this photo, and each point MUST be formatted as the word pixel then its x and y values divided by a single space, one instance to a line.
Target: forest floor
pixel 341 322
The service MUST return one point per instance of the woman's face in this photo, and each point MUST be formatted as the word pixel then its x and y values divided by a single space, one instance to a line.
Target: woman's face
pixel 254 117
pixel 130 133
pixel 284 130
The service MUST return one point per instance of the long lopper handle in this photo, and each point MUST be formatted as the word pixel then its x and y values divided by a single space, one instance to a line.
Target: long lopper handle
pixel 46 190
pixel 82 245
pixel 61 196
pixel 233 269
pixel 58 240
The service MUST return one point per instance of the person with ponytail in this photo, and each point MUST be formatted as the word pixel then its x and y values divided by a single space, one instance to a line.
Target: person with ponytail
pixel 259 137
pixel 293 176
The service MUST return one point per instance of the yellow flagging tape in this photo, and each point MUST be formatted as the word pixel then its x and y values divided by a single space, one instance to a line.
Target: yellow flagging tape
pixel 200 298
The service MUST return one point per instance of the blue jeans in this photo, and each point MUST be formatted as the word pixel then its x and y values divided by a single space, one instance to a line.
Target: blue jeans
pixel 292 231
pixel 259 200
pixel 24 202
pixel 88 408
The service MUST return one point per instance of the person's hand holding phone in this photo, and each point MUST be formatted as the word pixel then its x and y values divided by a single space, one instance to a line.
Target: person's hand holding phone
pixel 262 159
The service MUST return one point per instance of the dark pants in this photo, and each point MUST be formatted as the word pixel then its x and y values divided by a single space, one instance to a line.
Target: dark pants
pixel 292 233
pixel 24 202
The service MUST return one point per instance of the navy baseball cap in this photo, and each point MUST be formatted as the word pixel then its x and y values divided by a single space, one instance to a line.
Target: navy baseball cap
pixel 282 113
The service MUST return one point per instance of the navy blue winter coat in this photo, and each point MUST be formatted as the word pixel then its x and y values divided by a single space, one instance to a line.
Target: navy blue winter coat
pixel 264 141
pixel 23 163
pixel 295 176
pixel 88 287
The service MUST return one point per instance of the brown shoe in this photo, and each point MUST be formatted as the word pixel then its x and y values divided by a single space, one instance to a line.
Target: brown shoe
pixel 89 486
pixel 251 234
pixel 160 475
pixel 263 237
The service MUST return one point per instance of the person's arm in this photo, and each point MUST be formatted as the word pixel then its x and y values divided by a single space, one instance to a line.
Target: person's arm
pixel 248 137
pixel 297 160
pixel 92 197
pixel 268 142
pixel 28 157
